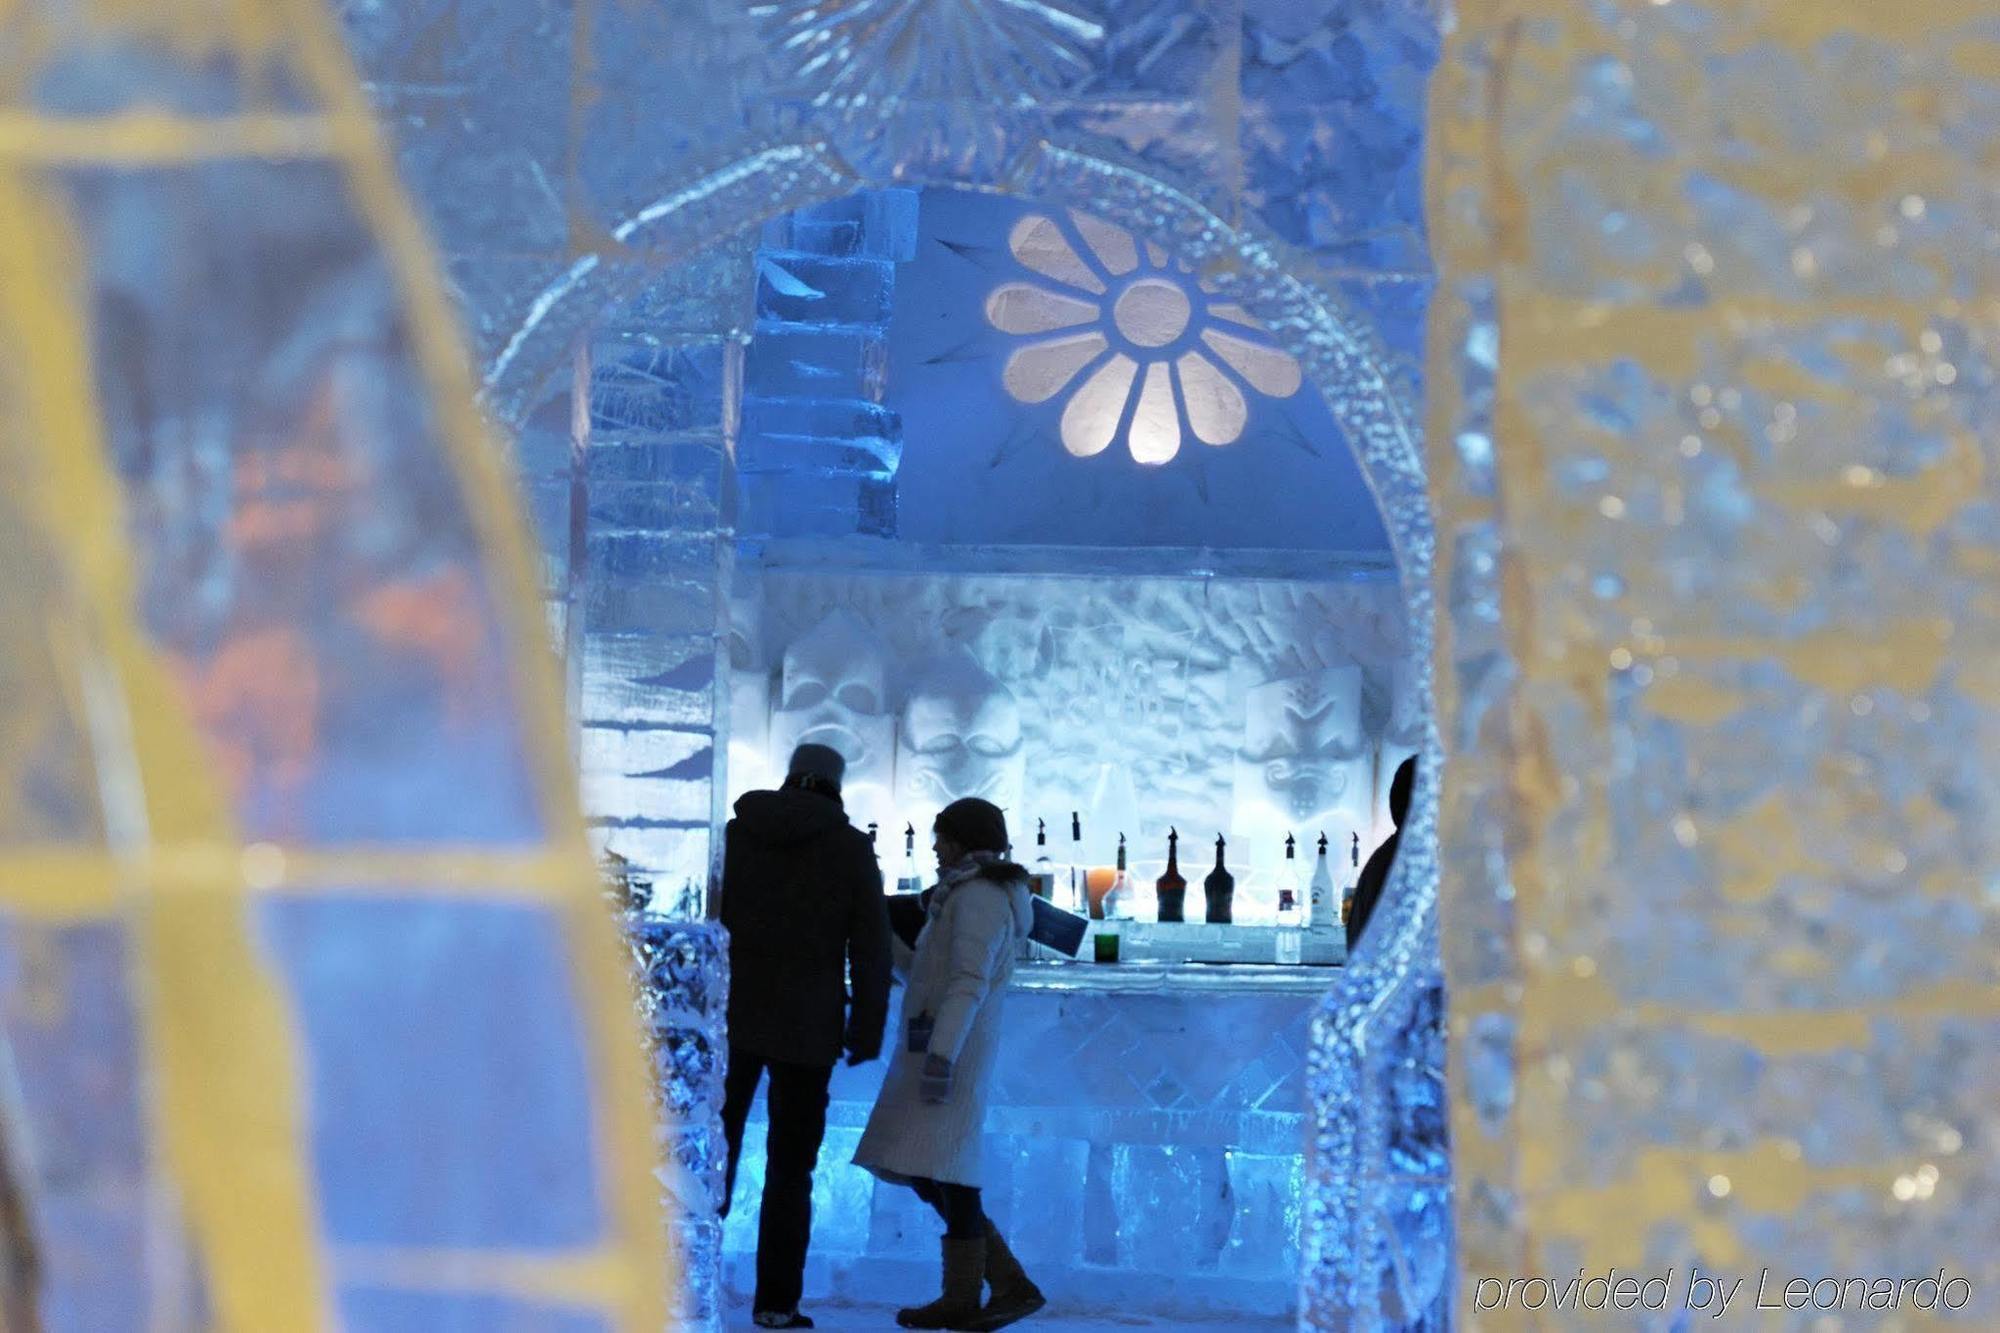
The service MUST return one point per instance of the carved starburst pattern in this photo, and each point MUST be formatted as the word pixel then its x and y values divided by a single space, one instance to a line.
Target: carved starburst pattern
pixel 880 54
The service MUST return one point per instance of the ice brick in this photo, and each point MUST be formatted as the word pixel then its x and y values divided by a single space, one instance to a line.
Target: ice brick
pixel 1263 1200
pixel 1044 1201
pixel 655 602
pixel 794 361
pixel 813 289
pixel 1170 1204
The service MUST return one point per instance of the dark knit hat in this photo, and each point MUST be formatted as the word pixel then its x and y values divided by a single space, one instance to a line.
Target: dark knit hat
pixel 817 761
pixel 976 825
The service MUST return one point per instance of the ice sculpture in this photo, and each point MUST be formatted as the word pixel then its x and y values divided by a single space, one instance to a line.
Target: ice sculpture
pixel 1304 765
pixel 834 691
pixel 960 735
pixel 1113 669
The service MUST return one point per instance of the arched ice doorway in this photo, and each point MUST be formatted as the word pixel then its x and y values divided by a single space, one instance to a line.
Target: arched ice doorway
pixel 1375 1216
pixel 572 162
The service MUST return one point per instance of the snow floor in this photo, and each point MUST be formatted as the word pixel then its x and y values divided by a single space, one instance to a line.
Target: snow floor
pixel 852 1318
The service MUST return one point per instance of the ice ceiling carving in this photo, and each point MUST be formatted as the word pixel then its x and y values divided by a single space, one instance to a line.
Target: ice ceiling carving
pixel 963 51
pixel 917 78
pixel 1133 338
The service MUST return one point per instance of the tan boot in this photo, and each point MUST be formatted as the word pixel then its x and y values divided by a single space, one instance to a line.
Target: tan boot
pixel 964 1273
pixel 1014 1297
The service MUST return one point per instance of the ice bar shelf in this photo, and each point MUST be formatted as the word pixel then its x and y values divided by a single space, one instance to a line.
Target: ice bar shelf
pixel 1198 943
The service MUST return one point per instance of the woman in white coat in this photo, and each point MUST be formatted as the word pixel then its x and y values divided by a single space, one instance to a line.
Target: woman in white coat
pixel 927 1125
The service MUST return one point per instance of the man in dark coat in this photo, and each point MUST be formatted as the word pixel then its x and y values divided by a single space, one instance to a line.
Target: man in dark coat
pixel 802 900
pixel 1375 875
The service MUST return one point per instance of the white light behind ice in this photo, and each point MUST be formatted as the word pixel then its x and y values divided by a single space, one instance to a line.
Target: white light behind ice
pixel 1154 368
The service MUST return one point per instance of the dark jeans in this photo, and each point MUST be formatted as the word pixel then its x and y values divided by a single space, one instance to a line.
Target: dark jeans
pixel 958 1205
pixel 791 1147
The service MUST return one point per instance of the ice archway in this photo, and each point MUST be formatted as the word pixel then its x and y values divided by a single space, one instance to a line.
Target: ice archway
pixel 661 221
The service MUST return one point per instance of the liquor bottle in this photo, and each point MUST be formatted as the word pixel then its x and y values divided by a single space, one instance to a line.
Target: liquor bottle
pixel 871 840
pixel 1353 877
pixel 1042 875
pixel 1041 883
pixel 1288 885
pixel 1322 897
pixel 909 881
pixel 1290 938
pixel 1120 898
pixel 1171 888
pixel 1219 889
pixel 1079 878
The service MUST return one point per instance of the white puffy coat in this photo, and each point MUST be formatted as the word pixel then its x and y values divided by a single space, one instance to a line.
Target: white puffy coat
pixel 964 957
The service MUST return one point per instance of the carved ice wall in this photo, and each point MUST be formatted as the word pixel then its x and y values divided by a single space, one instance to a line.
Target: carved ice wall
pixel 1028 688
pixel 833 689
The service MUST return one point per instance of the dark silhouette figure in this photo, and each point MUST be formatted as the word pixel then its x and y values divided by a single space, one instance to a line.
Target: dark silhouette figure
pixel 1368 888
pixel 802 899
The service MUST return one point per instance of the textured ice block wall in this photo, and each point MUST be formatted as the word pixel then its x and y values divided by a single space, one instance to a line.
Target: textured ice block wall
pixel 1714 440
pixel 819 451
pixel 633 530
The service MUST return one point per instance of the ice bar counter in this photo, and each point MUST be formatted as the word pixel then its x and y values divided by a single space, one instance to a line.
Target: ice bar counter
pixel 1145 1135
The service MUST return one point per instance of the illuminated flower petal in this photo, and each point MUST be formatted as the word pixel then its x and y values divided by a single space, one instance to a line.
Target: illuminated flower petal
pixel 1268 369
pixel 1217 412
pixel 1155 436
pixel 1019 307
pixel 1113 244
pixel 1039 244
pixel 1090 422
pixel 1202 392
pixel 1152 312
pixel 1040 371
